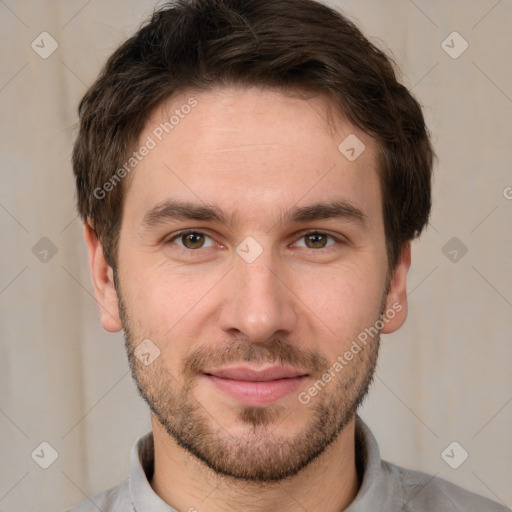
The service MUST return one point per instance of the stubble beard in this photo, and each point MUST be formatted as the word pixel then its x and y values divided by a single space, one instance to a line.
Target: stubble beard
pixel 257 450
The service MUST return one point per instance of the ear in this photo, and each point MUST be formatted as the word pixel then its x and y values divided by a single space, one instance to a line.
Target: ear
pixel 103 282
pixel 396 301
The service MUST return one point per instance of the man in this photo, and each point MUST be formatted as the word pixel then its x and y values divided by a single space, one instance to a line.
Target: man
pixel 250 175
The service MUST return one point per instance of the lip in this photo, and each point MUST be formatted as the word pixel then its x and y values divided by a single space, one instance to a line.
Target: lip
pixel 256 386
pixel 256 374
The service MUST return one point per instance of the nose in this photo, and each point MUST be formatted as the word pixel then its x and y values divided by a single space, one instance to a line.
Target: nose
pixel 258 301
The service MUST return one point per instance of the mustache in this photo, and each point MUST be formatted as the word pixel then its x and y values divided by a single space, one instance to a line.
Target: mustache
pixel 275 351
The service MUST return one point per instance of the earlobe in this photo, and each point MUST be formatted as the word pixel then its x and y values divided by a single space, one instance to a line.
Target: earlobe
pixel 103 282
pixel 396 302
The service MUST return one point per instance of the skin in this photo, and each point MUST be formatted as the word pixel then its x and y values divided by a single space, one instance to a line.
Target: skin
pixel 256 154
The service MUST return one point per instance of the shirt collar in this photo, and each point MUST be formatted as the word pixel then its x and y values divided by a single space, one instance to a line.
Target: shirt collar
pixel 142 465
pixel 380 487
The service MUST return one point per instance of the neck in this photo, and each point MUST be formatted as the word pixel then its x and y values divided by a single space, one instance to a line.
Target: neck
pixel 329 483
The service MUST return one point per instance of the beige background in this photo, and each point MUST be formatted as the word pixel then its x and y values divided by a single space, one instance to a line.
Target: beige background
pixel 444 377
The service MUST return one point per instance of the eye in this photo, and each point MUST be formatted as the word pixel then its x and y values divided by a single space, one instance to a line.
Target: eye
pixel 317 240
pixel 192 240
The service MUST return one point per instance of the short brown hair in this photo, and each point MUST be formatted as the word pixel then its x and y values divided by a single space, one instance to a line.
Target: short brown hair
pixel 286 44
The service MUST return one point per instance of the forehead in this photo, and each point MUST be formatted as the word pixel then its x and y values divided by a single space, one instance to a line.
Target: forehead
pixel 252 149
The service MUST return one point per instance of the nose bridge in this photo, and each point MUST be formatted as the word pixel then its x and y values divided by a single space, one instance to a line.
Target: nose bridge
pixel 258 304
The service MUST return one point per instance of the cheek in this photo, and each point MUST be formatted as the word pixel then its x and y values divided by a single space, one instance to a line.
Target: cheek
pixel 341 303
pixel 164 299
pixel 334 302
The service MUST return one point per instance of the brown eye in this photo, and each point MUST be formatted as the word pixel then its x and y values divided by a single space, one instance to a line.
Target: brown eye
pixel 316 240
pixel 192 240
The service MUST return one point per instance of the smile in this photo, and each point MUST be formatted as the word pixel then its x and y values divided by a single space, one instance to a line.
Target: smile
pixel 256 387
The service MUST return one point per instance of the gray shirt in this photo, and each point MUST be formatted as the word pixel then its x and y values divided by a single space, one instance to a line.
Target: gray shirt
pixel 385 487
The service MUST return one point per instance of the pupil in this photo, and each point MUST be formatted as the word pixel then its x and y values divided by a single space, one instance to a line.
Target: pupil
pixel 316 239
pixel 193 239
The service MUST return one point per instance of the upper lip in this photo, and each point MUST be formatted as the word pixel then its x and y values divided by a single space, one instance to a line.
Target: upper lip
pixel 251 373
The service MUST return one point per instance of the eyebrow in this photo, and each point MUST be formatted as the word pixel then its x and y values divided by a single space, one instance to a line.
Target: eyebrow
pixel 179 210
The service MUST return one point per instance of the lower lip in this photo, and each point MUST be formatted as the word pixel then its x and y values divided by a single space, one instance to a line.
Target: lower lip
pixel 257 393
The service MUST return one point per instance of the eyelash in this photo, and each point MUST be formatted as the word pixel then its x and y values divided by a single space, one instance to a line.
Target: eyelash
pixel 303 235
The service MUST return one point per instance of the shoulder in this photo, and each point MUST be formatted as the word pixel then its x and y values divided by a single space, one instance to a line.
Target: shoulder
pixel 115 499
pixel 424 492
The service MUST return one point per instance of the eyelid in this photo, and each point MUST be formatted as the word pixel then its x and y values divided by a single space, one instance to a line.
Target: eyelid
pixel 184 232
pixel 338 238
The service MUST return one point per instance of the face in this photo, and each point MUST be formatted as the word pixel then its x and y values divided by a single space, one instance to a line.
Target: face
pixel 252 257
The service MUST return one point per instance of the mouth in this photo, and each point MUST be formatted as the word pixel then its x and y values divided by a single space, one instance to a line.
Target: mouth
pixel 256 386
